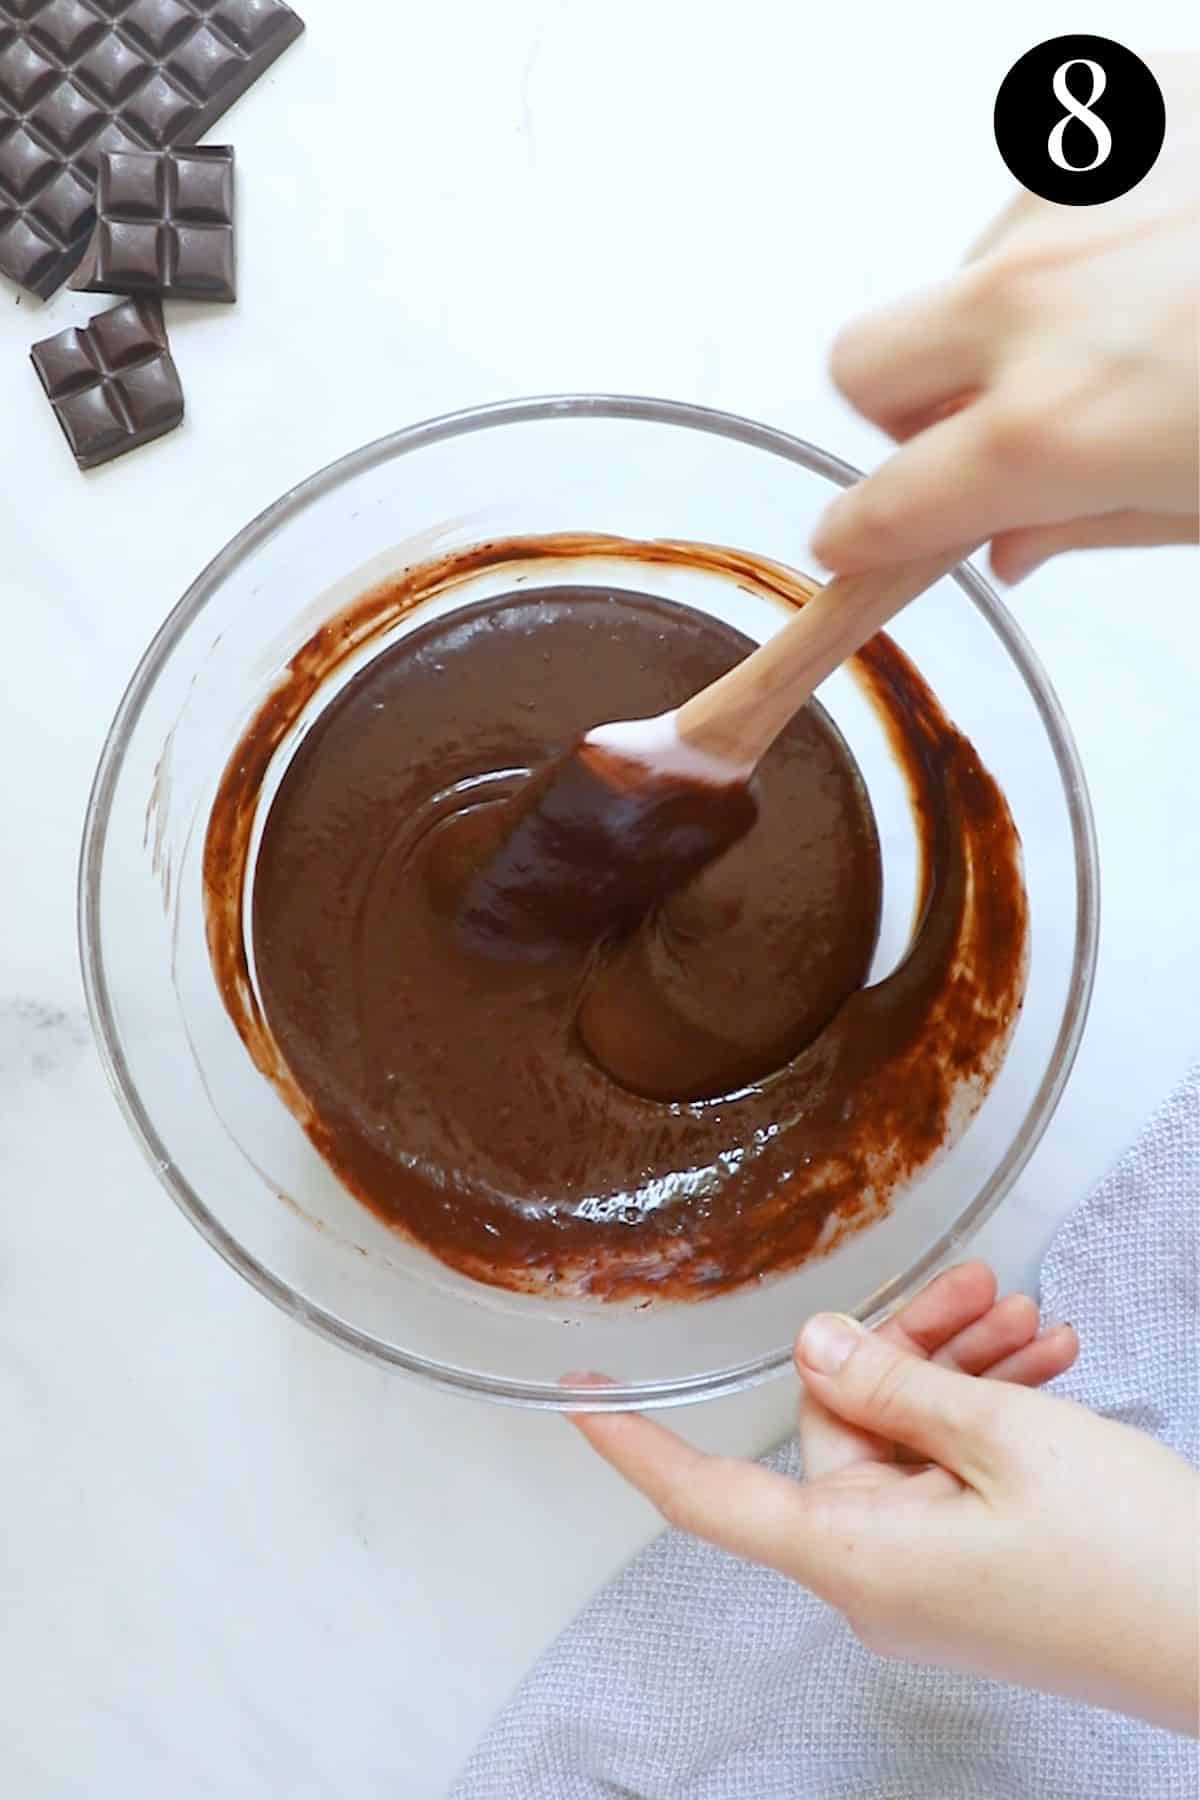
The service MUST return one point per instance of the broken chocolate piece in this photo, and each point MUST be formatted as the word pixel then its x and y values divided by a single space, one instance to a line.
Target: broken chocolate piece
pixel 112 384
pixel 164 225
pixel 79 77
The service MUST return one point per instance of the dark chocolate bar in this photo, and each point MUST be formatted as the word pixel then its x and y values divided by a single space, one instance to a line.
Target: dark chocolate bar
pixel 79 77
pixel 164 225
pixel 112 383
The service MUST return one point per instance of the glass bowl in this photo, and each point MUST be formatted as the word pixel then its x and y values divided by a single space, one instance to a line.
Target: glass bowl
pixel 223 1144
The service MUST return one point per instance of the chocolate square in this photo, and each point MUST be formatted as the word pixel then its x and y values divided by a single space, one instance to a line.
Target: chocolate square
pixel 24 252
pixel 93 426
pixel 79 77
pixel 158 25
pixel 113 384
pixel 250 24
pixel 112 68
pixel 130 256
pixel 203 187
pixel 204 62
pixel 120 337
pixel 111 137
pixel 25 166
pixel 159 111
pixel 64 204
pixel 24 74
pixel 204 265
pixel 131 182
pixel 65 27
pixel 164 225
pixel 66 116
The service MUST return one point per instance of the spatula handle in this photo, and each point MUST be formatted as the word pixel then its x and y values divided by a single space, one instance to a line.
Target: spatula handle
pixel 741 714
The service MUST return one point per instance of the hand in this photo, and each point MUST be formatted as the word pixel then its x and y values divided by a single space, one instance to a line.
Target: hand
pixel 1045 396
pixel 966 1523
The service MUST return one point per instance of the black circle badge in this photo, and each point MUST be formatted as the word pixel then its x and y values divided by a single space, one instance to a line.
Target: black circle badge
pixel 1080 120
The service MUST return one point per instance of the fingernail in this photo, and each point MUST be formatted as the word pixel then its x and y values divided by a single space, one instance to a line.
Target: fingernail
pixel 827 1341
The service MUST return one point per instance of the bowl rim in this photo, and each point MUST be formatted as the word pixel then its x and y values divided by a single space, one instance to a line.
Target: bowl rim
pixel 563 1397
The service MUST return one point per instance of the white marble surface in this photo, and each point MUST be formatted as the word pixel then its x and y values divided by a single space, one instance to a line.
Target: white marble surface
pixel 233 1561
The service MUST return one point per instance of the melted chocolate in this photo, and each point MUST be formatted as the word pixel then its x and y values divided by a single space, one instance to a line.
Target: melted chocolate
pixel 460 1095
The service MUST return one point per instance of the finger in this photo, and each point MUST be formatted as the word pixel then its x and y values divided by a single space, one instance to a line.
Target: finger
pixel 908 425
pixel 1007 1327
pixel 1016 554
pixel 950 1418
pixel 1050 1354
pixel 1031 1363
pixel 959 482
pixel 828 1443
pixel 948 1305
pixel 821 1535
pixel 915 354
pixel 1019 209
pixel 742 1507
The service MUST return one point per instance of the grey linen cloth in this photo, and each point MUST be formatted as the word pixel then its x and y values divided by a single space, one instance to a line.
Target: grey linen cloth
pixel 693 1676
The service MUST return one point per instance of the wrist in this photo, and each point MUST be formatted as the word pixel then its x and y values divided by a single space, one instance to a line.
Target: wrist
pixel 1140 1638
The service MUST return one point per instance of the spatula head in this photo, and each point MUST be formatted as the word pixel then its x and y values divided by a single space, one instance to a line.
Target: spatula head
pixel 591 844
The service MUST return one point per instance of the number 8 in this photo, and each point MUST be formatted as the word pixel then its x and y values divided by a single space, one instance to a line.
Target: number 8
pixel 1078 110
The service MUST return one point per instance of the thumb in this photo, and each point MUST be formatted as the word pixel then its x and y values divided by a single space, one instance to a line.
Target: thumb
pixel 953 1419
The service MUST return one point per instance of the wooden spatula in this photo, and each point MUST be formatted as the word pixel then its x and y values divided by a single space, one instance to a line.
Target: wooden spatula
pixel 638 807
pixel 731 724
